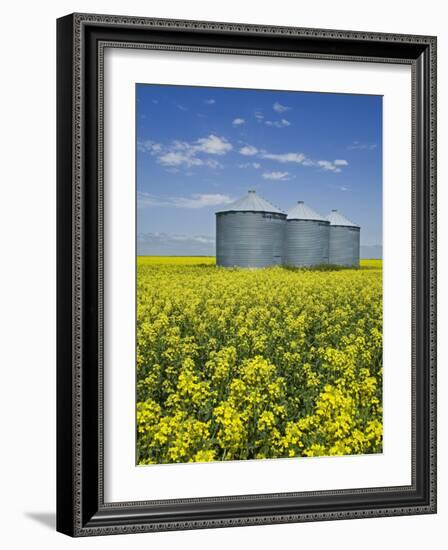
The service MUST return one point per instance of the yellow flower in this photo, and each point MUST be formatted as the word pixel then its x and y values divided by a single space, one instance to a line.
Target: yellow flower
pixel 235 364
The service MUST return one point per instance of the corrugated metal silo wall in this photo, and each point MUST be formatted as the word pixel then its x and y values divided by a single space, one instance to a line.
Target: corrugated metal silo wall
pixel 306 243
pixel 344 245
pixel 249 239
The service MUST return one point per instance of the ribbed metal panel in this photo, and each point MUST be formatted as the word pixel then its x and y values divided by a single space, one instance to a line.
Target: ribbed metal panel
pixel 306 243
pixel 344 246
pixel 344 240
pixel 249 239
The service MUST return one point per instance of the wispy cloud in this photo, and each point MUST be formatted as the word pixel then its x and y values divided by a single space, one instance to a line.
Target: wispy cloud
pixel 294 158
pixel 342 188
pixel 357 145
pixel 179 157
pixel 197 200
pixel 248 150
pixel 255 165
pixel 283 123
pixel 210 101
pixel 149 146
pixel 213 163
pixel 279 108
pixel 238 121
pixel 298 158
pixel 308 162
pixel 282 176
pixel 201 152
pixel 184 153
pixel 332 166
pixel 259 116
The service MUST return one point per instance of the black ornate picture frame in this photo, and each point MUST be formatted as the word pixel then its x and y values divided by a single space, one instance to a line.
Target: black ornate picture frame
pixel 81 508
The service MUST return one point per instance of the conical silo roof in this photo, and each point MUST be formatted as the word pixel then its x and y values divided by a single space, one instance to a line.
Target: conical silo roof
pixel 303 212
pixel 335 218
pixel 251 203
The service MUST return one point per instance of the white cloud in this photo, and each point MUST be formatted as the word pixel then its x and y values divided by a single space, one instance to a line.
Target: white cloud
pixel 238 121
pixel 213 163
pixel 210 101
pixel 357 145
pixel 278 123
pixel 298 158
pixel 342 188
pixel 198 153
pixel 255 165
pixel 327 166
pixel 259 115
pixel 279 108
pixel 197 200
pixel 277 176
pixel 184 153
pixel 308 162
pixel 332 166
pixel 180 157
pixel 146 200
pixel 248 150
pixel 213 145
pixel 149 146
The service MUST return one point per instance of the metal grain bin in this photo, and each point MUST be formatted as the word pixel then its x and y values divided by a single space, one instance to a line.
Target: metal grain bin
pixel 306 237
pixel 344 240
pixel 250 233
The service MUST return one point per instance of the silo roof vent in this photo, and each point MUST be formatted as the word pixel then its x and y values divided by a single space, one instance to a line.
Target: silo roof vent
pixel 303 212
pixel 335 218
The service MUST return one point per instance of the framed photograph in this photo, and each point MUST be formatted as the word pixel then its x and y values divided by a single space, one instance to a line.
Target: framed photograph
pixel 246 274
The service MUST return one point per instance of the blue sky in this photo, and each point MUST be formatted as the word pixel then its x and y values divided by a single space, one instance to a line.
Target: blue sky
pixel 201 148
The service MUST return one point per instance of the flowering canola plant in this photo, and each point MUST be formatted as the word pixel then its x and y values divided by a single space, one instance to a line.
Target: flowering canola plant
pixel 237 364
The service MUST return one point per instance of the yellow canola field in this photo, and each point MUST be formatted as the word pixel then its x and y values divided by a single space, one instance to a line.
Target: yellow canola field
pixel 243 364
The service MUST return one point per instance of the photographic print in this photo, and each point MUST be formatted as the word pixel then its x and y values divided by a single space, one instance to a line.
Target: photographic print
pixel 259 274
pixel 231 349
